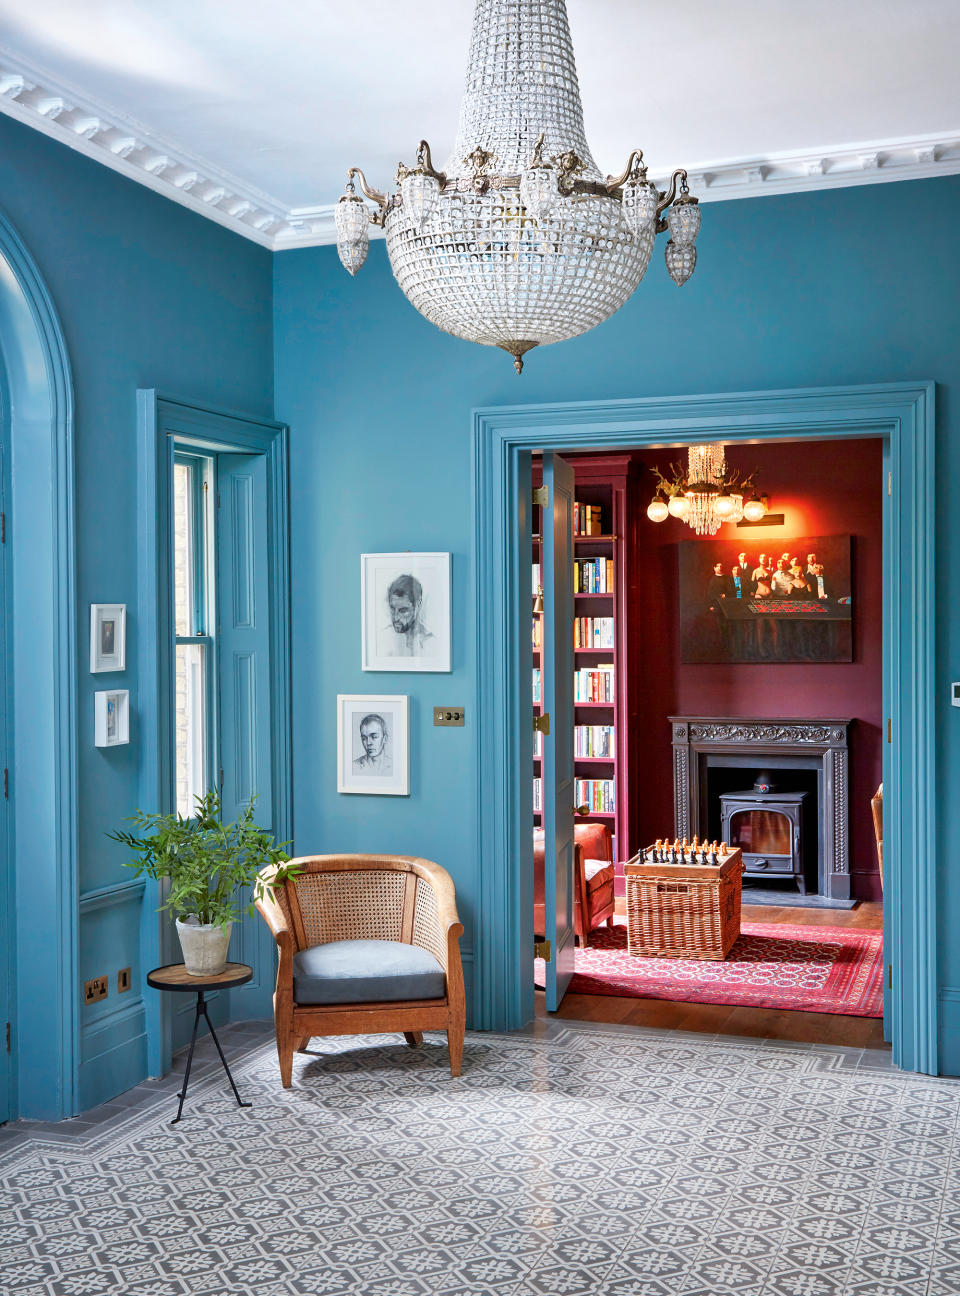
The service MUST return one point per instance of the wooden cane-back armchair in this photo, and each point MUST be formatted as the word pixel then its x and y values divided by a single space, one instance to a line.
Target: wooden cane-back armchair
pixel 367 943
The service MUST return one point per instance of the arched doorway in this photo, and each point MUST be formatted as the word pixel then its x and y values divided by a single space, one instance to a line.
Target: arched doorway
pixel 38 906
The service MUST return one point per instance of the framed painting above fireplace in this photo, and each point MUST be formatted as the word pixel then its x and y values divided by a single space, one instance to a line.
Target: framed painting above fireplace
pixel 789 602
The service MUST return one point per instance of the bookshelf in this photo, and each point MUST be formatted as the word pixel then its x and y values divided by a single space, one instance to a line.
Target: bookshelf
pixel 601 683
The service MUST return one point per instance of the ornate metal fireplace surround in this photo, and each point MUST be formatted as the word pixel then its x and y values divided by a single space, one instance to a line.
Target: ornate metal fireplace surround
pixel 697 738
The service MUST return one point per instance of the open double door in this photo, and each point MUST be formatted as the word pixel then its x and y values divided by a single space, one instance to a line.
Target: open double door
pixel 556 664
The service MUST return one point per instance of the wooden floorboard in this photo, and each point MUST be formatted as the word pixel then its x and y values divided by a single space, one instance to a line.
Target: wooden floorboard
pixel 756 1023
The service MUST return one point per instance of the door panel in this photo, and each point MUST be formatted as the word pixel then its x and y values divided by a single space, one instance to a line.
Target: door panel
pixel 557 665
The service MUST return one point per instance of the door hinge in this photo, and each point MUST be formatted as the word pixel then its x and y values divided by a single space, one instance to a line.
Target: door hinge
pixel 541 723
pixel 541 496
pixel 541 949
pixel 889 976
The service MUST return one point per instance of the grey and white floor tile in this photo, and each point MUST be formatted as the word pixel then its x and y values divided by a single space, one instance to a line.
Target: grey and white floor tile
pixel 570 1161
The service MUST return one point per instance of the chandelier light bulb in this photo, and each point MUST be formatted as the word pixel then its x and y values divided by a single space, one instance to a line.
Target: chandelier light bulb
pixel 754 510
pixel 639 205
pixel 725 506
pixel 657 510
pixel 420 194
pixel 683 219
pixel 521 159
pixel 678 506
pixel 351 217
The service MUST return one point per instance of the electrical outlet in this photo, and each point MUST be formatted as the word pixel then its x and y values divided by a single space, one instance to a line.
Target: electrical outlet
pixel 95 990
pixel 123 980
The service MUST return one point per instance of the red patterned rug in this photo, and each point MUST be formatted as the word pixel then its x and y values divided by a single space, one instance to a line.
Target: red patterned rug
pixel 807 969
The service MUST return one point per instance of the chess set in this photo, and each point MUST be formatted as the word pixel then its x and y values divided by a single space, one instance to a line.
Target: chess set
pixel 711 854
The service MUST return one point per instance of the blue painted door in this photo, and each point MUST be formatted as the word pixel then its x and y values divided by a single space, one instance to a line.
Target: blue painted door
pixel 557 665
pixel 6 909
pixel 244 704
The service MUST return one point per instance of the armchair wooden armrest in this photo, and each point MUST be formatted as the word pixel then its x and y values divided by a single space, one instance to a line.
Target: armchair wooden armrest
pixel 270 910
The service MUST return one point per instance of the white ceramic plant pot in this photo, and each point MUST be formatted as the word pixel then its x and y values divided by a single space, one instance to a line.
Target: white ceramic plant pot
pixel 204 946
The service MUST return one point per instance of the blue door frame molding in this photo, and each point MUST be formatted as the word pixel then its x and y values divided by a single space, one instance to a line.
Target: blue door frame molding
pixel 163 421
pixel 42 712
pixel 503 438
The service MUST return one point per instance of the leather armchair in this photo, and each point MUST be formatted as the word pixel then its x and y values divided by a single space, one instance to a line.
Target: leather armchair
pixel 593 901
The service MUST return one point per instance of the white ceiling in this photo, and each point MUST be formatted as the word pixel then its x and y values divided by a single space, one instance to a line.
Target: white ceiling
pixel 253 112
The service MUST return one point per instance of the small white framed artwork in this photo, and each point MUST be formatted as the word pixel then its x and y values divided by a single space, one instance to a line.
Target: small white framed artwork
pixel 373 744
pixel 405 601
pixel 111 714
pixel 108 637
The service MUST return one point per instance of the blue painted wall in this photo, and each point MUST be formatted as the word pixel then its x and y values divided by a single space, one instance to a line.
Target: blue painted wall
pixel 845 287
pixel 149 295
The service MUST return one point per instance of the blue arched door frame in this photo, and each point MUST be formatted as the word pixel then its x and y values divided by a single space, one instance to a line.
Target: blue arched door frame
pixel 503 439
pixel 42 740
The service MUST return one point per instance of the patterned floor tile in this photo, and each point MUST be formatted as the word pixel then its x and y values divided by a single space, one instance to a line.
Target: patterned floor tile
pixel 713 1168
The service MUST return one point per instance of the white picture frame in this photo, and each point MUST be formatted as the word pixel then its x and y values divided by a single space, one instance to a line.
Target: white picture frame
pixel 373 744
pixel 111 713
pixel 405 605
pixel 108 637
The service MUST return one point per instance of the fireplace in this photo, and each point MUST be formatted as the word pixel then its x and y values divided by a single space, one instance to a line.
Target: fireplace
pixel 715 757
pixel 767 826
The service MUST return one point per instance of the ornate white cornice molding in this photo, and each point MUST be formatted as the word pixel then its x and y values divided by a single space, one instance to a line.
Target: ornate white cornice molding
pixel 120 142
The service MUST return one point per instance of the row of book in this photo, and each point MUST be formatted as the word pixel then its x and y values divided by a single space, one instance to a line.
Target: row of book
pixel 538 633
pixel 593 684
pixel 537 582
pixel 593 632
pixel 537 687
pixel 593 576
pixel 587 519
pixel 599 794
pixel 537 795
pixel 593 740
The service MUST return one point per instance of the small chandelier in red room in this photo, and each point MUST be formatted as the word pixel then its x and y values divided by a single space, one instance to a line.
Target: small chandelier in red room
pixel 707 494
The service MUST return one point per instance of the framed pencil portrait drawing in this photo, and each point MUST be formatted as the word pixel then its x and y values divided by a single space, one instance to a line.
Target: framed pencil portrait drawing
pixel 373 744
pixel 405 601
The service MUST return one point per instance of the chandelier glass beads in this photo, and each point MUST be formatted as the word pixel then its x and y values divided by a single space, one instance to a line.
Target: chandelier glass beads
pixel 520 241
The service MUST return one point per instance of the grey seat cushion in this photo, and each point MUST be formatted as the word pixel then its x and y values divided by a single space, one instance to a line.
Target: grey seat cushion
pixel 366 971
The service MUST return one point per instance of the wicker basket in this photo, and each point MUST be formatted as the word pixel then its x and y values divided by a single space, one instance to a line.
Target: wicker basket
pixel 683 910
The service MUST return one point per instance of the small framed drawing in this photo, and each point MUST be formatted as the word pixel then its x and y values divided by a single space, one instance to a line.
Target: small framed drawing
pixel 108 637
pixel 373 744
pixel 111 717
pixel 405 599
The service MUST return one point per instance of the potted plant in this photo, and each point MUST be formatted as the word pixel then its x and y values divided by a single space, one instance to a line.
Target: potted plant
pixel 207 863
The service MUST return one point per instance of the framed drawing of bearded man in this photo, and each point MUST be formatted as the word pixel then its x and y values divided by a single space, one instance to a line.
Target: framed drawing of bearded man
pixel 405 600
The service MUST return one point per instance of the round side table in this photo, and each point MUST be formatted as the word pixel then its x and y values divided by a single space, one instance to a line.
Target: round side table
pixel 175 977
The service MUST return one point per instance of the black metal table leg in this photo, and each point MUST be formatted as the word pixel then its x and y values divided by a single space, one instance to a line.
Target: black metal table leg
pixel 213 1033
pixel 201 1010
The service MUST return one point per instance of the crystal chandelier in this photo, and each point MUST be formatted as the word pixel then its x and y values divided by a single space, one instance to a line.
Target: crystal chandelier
pixel 520 241
pixel 707 494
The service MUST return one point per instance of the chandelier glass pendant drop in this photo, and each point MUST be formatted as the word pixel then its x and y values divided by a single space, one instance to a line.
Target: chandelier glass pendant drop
pixel 520 241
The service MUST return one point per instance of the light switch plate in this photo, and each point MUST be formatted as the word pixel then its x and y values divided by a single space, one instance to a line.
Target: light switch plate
pixel 955 694
pixel 448 716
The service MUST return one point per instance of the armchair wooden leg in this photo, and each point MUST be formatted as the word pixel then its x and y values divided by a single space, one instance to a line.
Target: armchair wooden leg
pixel 413 1038
pixel 610 921
pixel 302 1043
pixel 455 1044
pixel 285 1042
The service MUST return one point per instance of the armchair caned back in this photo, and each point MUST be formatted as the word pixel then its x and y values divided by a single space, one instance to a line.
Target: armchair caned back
pixel 332 899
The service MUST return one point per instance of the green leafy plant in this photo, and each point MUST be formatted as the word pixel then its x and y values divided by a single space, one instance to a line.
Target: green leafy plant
pixel 206 861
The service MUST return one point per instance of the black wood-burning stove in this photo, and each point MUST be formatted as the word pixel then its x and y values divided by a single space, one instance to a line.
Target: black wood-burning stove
pixel 767 825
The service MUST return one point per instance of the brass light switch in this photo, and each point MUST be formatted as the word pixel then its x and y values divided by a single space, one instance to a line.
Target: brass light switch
pixel 451 715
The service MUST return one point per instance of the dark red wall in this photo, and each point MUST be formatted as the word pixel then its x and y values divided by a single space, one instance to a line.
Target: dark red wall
pixel 830 488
